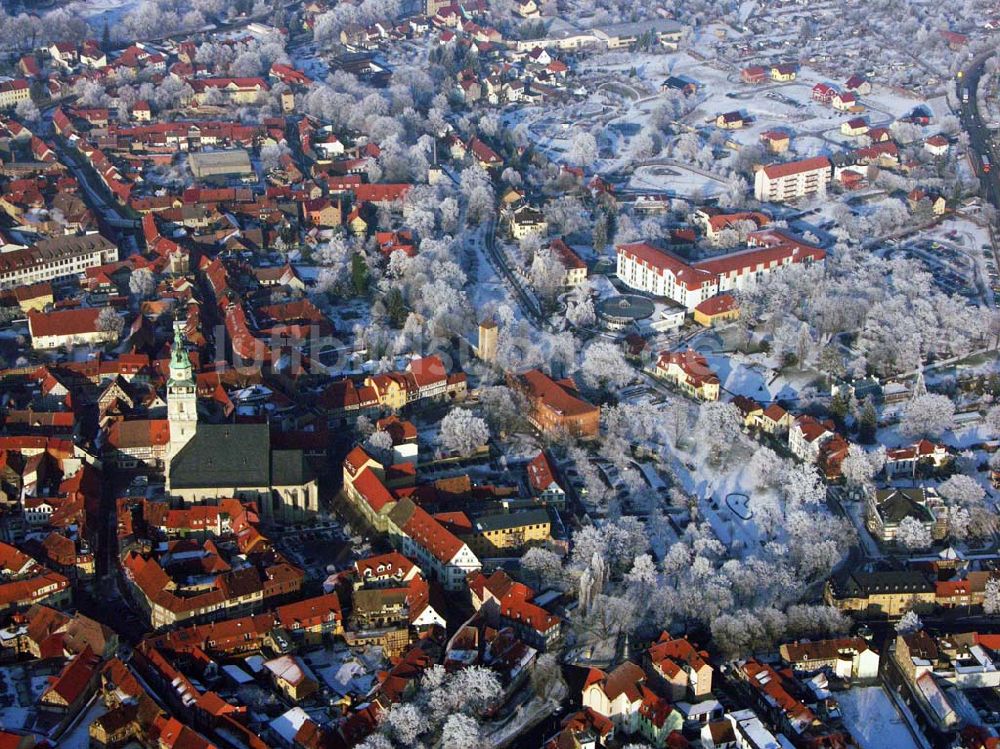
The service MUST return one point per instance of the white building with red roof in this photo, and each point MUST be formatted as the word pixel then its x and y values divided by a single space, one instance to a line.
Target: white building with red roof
pixel 71 327
pixel 647 268
pixel 782 183
pixel 542 480
pixel 807 436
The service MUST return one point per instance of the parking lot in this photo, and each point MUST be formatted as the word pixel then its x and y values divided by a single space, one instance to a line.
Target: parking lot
pixel 320 549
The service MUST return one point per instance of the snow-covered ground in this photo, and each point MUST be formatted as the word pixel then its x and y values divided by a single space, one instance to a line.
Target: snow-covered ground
pixel 99 12
pixel 677 181
pixel 873 720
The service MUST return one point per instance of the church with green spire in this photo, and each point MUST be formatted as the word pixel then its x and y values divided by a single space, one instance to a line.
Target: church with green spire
pixel 207 462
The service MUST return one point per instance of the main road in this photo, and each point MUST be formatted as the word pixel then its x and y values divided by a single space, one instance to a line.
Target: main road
pixel 980 139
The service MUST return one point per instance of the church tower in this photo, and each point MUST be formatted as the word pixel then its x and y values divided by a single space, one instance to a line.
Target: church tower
pixel 182 397
pixel 487 348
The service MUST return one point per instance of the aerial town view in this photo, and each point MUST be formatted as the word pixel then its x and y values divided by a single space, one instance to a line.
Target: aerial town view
pixel 515 374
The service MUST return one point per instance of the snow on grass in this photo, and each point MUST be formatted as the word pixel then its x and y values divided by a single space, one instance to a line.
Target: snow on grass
pixel 676 180
pixel 873 720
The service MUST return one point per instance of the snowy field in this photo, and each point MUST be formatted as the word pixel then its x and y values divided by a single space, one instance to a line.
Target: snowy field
pixel 677 181
pixel 873 720
pixel 97 12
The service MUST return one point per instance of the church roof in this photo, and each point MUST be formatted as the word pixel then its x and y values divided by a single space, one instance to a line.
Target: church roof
pixel 224 455
pixel 289 468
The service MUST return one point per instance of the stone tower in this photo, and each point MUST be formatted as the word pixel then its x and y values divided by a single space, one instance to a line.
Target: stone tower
pixel 182 397
pixel 487 348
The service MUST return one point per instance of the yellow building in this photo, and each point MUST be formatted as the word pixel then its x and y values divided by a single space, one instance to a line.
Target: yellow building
pixel 527 220
pixel 716 309
pixel 881 594
pixel 783 73
pixel 689 370
pixel 35 297
pixel 292 677
pixel 390 388
pixel 13 93
pixel 509 532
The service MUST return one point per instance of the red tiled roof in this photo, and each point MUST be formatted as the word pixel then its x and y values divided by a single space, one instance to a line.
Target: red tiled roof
pixel 367 484
pixel 717 305
pixel 63 322
pixel 689 276
pixel 787 169
pixel 310 612
pixel 540 473
pixel 555 395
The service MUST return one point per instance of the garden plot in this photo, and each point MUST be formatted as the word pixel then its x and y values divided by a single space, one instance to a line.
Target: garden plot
pixel 873 720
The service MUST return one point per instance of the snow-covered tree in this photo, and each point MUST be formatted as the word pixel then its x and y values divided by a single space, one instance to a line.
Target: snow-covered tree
pixel 546 676
pixel 583 150
pixel 142 284
pixel 991 596
pixel 927 415
pixel 718 429
pixel 27 112
pixel 109 321
pixel 604 366
pixel 860 467
pixel 461 732
pixel 962 490
pixel 909 623
pixel 543 566
pixel 912 534
pixel 463 432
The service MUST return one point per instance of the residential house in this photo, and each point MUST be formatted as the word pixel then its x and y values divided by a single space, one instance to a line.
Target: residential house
pixel 541 479
pixel 624 697
pixel 575 267
pixel 880 594
pixel 683 667
pixel 847 657
pixel 784 73
pixel 806 435
pixel 690 371
pixel 844 101
pixel 70 327
pixel 788 181
pixel 292 677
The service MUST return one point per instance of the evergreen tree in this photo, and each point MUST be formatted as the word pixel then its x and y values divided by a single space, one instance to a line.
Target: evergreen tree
pixel 106 37
pixel 868 422
pixel 395 307
pixel 600 232
pixel 359 274
pixel 838 407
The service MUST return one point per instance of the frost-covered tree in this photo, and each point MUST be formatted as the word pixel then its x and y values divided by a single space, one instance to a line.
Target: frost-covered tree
pixel 604 366
pixel 546 677
pixel 142 284
pixel 913 535
pixel 909 623
pixel 109 321
pixel 991 596
pixel 461 732
pixel 379 445
pixel 543 566
pixel 718 429
pixel 860 466
pixel 583 150
pixel 962 490
pixel 404 723
pixel 463 432
pixel 27 112
pixel 927 415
